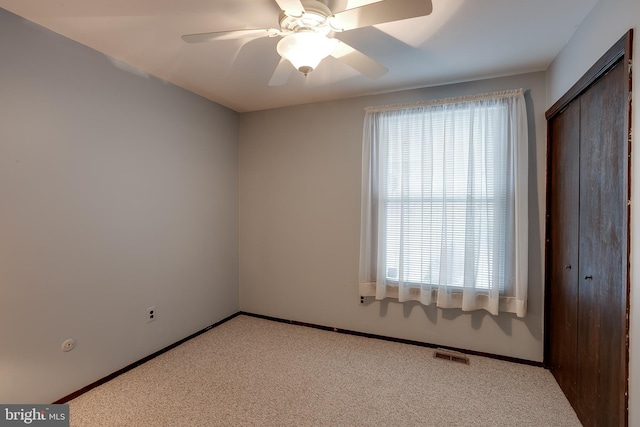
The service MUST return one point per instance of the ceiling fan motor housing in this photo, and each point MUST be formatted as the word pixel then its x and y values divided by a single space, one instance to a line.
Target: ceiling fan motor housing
pixel 316 17
pixel 307 43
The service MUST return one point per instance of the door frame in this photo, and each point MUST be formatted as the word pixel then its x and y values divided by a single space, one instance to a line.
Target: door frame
pixel 620 51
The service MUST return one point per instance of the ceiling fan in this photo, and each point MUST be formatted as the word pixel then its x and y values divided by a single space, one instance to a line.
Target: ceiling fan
pixel 308 27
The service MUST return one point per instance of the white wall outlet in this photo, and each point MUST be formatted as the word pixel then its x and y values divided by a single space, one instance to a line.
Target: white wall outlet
pixel 151 313
pixel 69 344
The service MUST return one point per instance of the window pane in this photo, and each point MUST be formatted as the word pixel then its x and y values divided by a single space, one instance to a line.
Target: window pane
pixel 439 193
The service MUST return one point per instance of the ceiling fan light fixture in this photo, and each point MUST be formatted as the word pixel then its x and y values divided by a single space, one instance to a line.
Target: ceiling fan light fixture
pixel 305 49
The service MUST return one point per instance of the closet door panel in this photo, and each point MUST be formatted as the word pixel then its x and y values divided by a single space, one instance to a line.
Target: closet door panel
pixel 563 247
pixel 601 277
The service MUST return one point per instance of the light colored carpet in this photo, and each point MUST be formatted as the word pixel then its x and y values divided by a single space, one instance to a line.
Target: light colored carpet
pixel 255 372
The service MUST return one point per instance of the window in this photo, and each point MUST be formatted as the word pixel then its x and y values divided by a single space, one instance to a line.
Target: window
pixel 444 203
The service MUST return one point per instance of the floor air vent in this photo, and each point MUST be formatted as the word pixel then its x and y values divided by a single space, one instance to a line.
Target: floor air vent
pixel 451 355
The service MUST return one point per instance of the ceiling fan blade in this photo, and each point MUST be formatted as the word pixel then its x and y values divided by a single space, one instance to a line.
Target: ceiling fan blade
pixel 381 12
pixel 291 8
pixel 359 61
pixel 282 73
pixel 229 35
pixel 340 5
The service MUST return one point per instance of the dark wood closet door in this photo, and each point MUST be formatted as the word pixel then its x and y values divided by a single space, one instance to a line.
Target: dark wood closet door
pixel 601 339
pixel 563 250
pixel 588 187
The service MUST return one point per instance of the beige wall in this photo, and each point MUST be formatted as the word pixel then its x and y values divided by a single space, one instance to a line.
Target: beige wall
pixel 608 21
pixel 300 223
pixel 117 192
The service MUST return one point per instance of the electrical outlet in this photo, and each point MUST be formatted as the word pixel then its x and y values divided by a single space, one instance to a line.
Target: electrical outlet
pixel 362 301
pixel 151 314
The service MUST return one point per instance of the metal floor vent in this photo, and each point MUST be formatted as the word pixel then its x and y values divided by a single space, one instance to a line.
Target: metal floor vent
pixel 451 355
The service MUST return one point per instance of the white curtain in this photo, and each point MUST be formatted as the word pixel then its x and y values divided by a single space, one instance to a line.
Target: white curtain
pixel 444 203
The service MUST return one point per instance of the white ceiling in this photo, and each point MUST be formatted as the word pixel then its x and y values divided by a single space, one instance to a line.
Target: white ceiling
pixel 461 40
